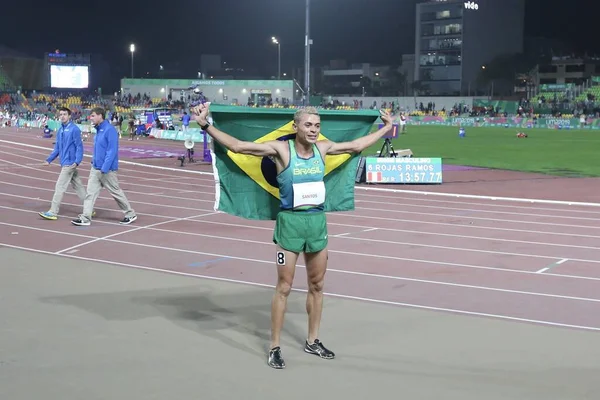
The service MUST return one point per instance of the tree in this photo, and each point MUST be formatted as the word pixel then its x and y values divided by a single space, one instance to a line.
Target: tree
pixel 504 69
pixel 396 82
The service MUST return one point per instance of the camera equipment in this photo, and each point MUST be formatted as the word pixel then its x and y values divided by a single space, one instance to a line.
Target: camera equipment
pixel 387 150
pixel 189 145
pixel 197 97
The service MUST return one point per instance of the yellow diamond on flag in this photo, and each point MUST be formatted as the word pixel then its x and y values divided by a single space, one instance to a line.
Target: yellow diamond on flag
pixel 262 170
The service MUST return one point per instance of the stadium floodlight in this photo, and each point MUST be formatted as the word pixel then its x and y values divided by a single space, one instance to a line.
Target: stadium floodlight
pixel 307 43
pixel 132 50
pixel 275 41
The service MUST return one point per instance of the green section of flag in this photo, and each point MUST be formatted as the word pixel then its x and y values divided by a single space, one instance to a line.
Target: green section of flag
pixel 246 185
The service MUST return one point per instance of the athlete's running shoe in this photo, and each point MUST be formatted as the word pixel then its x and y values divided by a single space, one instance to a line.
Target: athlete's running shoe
pixel 318 349
pixel 275 359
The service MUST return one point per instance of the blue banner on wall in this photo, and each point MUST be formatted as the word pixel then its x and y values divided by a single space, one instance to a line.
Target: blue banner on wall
pixel 403 170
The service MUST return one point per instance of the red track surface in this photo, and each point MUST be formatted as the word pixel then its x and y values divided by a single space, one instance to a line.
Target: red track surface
pixel 533 262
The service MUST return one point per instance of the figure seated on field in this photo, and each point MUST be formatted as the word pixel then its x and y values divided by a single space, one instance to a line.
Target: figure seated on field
pixel 47 132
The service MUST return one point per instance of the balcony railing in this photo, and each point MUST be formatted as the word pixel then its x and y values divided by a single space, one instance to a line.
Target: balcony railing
pixel 439 63
pixel 452 32
pixel 441 49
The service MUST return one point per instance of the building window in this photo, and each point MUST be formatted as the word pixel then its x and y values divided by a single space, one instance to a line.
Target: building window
pixel 441 44
pixel 439 59
pixel 548 69
pixel 443 73
pixel 575 68
pixel 439 30
pixel 442 12
pixel 447 29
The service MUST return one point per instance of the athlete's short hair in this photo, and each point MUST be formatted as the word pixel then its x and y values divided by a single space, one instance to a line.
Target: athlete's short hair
pixel 305 111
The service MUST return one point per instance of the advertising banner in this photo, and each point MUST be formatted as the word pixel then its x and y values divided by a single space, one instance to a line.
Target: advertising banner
pixel 507 122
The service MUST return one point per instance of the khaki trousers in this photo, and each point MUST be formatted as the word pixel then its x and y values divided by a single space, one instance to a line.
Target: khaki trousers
pixel 68 175
pixel 96 182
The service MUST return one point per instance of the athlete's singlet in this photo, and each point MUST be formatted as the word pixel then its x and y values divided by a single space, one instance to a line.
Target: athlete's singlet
pixel 301 185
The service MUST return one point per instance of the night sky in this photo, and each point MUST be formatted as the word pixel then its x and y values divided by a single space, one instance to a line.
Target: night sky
pixel 375 31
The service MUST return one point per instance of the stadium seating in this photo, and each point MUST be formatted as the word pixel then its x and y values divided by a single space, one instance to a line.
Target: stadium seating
pixel 560 96
pixel 419 113
pixel 594 90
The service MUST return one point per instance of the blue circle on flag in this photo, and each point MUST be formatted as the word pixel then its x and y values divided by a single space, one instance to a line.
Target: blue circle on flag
pixel 268 168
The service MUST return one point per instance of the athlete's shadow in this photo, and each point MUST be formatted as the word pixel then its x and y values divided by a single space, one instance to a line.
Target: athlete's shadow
pixel 239 317
pixel 241 320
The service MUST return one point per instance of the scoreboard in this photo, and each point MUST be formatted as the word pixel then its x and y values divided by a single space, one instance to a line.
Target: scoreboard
pixel 66 70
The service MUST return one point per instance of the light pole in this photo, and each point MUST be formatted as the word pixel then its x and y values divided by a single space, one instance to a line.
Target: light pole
pixel 274 39
pixel 132 50
pixel 307 43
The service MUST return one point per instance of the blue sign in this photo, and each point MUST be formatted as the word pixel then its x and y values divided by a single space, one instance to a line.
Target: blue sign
pixel 403 170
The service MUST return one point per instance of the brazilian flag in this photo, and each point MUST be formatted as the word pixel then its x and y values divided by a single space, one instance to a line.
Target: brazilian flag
pixel 246 186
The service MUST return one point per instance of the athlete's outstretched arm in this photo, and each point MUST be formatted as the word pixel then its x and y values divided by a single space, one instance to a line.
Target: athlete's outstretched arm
pixel 358 145
pixel 235 145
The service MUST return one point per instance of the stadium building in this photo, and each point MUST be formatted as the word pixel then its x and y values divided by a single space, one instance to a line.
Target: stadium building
pixel 567 70
pixel 217 91
pixel 456 38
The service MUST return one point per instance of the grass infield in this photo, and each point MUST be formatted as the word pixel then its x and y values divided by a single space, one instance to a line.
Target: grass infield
pixel 572 153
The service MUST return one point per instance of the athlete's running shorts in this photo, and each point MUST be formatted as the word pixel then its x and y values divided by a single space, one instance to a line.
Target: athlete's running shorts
pixel 301 232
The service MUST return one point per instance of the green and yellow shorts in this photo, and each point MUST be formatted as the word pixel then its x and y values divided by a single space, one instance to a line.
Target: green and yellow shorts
pixel 301 232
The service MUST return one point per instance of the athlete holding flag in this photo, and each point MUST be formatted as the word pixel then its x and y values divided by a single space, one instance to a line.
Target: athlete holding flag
pixel 301 225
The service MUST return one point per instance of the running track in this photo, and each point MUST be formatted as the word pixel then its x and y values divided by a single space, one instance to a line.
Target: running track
pixel 529 262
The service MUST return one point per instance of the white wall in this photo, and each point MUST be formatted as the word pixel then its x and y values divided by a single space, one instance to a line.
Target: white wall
pixel 213 93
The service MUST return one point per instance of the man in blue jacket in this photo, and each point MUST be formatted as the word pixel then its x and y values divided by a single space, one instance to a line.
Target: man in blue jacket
pixel 69 148
pixel 105 163
pixel 185 122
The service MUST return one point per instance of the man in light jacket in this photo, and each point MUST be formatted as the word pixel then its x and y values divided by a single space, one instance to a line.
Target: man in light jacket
pixel 69 148
pixel 105 163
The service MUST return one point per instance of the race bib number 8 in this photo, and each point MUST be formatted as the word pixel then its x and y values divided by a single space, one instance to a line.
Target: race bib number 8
pixel 280 258
pixel 309 194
